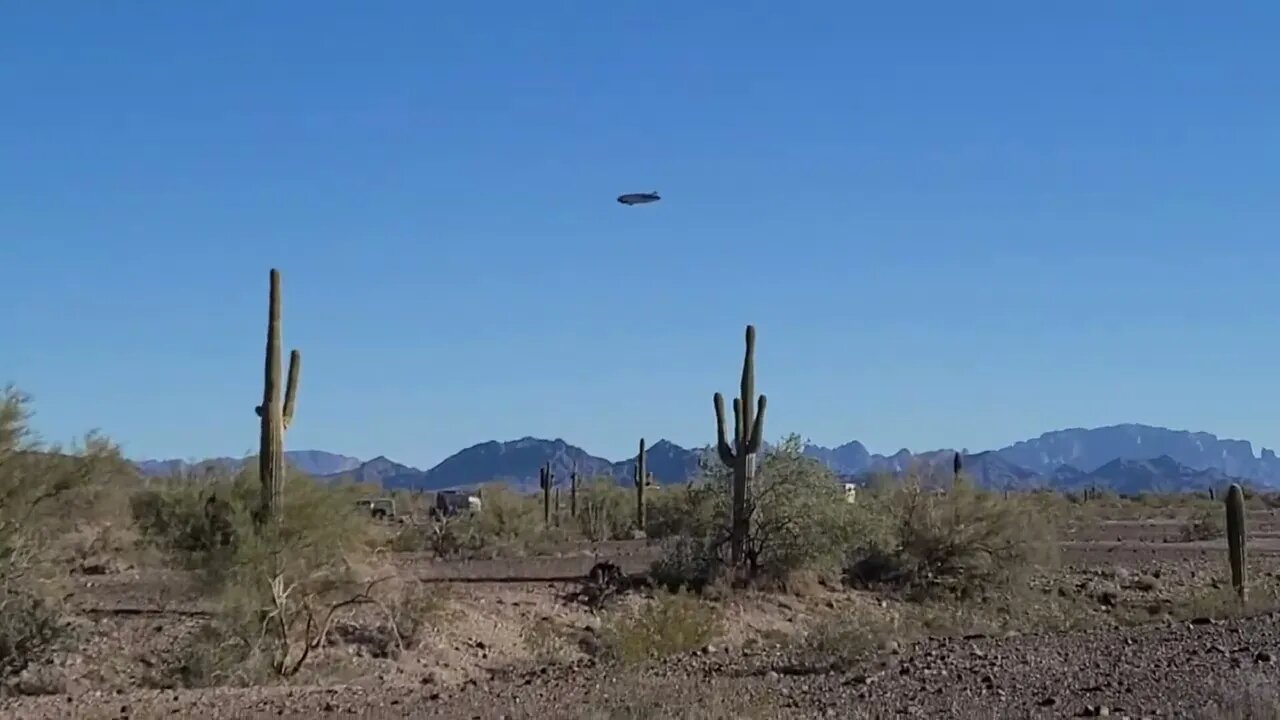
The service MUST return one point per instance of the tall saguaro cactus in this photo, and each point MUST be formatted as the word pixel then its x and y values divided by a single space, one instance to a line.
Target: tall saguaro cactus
pixel 573 491
pixel 1236 539
pixel 748 427
pixel 276 415
pixel 957 466
pixel 640 477
pixel 546 479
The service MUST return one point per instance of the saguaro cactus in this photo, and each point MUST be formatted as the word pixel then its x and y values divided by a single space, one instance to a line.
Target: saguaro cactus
pixel 1236 538
pixel 640 476
pixel 546 479
pixel 276 415
pixel 573 492
pixel 957 465
pixel 748 427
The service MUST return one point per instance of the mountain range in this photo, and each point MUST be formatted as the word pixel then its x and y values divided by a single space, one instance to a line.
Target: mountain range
pixel 1126 458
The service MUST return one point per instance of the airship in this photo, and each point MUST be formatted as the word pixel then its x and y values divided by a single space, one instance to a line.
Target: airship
pixel 639 198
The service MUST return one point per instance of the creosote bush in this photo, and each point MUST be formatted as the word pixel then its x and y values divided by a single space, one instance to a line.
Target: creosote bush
pixel 959 542
pixel 606 510
pixel 41 487
pixel 1205 523
pixel 798 521
pixel 510 524
pixel 670 624
pixel 281 587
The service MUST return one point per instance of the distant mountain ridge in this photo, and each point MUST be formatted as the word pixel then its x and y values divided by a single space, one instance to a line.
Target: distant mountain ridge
pixel 1126 458
pixel 312 462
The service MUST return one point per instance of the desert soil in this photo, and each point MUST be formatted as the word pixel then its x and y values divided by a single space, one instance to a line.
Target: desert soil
pixel 1137 646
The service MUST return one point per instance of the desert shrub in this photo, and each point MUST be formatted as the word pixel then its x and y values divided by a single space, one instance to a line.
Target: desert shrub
pixel 546 642
pixel 508 525
pixel 203 524
pixel 279 586
pixel 193 521
pixel 672 623
pixel 41 490
pixel 963 542
pixel 837 640
pixel 606 510
pixel 31 629
pixel 680 511
pixel 225 651
pixel 1206 523
pixel 449 537
pixel 686 562
pixel 284 580
pixel 799 519
pixel 507 516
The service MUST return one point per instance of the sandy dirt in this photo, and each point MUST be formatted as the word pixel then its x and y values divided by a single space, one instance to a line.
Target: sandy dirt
pixel 506 640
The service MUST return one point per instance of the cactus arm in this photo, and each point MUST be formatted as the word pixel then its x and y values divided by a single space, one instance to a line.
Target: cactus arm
pixel 748 388
pixel 739 433
pixel 757 428
pixel 722 443
pixel 291 387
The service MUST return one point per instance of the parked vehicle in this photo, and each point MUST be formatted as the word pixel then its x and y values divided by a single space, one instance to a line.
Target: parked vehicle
pixel 378 508
pixel 455 502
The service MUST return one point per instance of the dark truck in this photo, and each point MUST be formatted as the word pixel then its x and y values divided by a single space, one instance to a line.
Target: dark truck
pixel 455 502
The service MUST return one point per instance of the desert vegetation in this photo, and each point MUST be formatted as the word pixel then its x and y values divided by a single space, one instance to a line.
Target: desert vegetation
pixel 758 578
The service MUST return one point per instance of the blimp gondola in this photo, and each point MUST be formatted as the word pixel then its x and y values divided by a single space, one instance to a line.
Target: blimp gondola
pixel 639 198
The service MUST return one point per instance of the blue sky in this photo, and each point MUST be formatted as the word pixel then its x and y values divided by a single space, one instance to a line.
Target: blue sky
pixel 953 224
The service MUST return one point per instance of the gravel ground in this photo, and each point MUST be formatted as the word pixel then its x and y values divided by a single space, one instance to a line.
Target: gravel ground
pixel 1171 670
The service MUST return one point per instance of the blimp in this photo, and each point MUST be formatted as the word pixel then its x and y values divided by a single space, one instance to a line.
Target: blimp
pixel 639 198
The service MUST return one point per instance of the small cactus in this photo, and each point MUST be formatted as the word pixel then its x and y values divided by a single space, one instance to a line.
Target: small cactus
pixel 1236 539
pixel 546 480
pixel 276 416
pixel 640 477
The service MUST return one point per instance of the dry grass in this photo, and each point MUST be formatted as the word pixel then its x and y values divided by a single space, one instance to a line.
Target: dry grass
pixel 670 624
pixel 1204 523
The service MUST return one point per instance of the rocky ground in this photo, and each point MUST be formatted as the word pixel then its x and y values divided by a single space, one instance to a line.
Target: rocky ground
pixel 1133 623
pixel 1170 670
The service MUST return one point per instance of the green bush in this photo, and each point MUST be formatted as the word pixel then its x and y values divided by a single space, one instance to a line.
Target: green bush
pixel 961 542
pixel 41 490
pixel 191 520
pixel 31 630
pixel 686 562
pixel 672 623
pixel 799 520
pixel 680 511
pixel 275 585
pixel 606 510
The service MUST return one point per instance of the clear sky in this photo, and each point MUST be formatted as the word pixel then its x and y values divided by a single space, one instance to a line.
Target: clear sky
pixel 953 224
